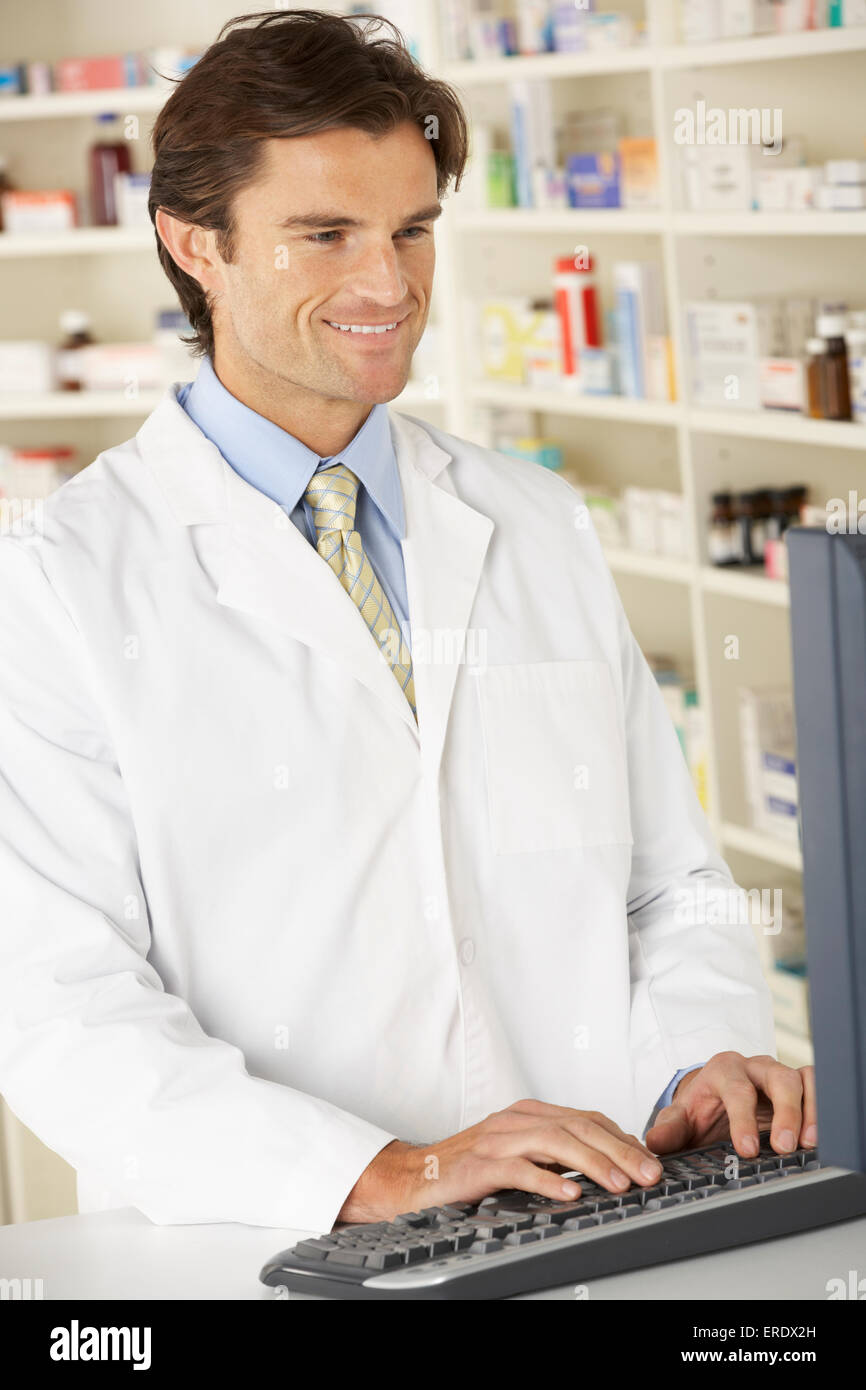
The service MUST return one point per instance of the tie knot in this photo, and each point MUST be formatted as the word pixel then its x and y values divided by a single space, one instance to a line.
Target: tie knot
pixel 333 494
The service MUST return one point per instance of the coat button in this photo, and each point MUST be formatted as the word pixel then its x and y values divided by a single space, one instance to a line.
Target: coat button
pixel 467 950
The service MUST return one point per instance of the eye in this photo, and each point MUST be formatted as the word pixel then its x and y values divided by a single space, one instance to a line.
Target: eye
pixel 318 237
pixel 422 231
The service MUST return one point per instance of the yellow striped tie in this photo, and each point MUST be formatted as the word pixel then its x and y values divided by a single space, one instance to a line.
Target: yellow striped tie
pixel 333 496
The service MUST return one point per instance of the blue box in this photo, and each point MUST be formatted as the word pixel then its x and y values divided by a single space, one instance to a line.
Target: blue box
pixel 593 180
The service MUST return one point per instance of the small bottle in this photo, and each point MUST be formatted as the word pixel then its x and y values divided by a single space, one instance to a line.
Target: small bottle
pixel 75 326
pixel 6 184
pixel 758 532
pixel 742 529
pixel 815 350
pixel 778 519
pixel 720 537
pixel 795 498
pixel 833 365
pixel 107 158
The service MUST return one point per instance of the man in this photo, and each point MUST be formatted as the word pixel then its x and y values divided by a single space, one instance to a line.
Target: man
pixel 295 889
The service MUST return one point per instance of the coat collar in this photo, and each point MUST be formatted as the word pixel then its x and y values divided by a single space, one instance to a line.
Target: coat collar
pixel 270 569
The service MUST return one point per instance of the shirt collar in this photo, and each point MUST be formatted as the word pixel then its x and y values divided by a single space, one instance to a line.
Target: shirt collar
pixel 279 465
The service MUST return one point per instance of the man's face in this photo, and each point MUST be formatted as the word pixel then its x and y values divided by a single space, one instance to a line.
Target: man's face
pixel 336 229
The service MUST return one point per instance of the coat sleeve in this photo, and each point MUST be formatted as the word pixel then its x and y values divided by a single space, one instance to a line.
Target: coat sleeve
pixel 110 1070
pixel 697 985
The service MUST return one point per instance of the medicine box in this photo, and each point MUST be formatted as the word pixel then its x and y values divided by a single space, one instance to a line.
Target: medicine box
pixel 593 180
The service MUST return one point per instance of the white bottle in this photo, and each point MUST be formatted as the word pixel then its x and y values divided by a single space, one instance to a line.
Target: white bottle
pixel 855 344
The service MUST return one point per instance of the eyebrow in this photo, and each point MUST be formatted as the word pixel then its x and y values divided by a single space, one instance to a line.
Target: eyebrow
pixel 324 220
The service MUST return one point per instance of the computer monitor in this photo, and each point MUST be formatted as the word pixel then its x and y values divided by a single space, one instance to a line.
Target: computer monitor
pixel 828 626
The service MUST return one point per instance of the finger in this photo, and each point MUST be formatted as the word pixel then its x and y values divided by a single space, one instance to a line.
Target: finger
pixel 566 1115
pixel 809 1132
pixel 587 1148
pixel 672 1130
pixel 733 1086
pixel 783 1086
pixel 518 1172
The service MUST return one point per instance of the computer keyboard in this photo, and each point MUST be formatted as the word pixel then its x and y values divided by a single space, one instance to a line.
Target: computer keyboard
pixel 517 1242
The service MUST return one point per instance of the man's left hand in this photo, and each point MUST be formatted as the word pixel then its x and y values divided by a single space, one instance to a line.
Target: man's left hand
pixel 735 1096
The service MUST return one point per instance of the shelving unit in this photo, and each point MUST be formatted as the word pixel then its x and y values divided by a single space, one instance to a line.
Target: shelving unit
pixel 719 602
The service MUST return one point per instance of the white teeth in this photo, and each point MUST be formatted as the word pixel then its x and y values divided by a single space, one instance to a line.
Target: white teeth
pixel 363 327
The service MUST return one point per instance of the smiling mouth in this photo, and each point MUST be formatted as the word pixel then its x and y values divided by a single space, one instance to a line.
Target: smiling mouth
pixel 366 330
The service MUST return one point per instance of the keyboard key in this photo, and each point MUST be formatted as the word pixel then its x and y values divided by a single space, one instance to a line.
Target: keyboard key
pixel 439 1245
pixel 579 1223
pixel 355 1258
pixel 315 1249
pixel 485 1247
pixel 409 1218
pixel 385 1259
pixel 486 1230
pixel 521 1237
pixel 413 1254
pixel 548 1232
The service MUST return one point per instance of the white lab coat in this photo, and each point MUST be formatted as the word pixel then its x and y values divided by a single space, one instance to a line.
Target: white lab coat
pixel 255 923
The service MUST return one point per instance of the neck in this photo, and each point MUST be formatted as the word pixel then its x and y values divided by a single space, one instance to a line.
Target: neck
pixel 324 424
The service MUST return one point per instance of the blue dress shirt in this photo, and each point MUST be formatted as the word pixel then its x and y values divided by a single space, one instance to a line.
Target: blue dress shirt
pixel 280 466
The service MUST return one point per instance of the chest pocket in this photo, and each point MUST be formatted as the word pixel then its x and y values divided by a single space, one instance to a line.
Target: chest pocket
pixel 554 756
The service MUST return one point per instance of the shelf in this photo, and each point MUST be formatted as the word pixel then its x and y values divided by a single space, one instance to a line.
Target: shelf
pixel 779 424
pixel 60 105
pixel 642 58
pixel 810 43
pixel 722 224
pixel 508 395
pixel 624 221
pixel 472 72
pixel 78 241
pixel 75 405
pixel 664 567
pixel 761 846
pixel 741 584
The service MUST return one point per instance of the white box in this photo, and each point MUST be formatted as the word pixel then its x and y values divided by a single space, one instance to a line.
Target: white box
pixel 700 21
pixel 131 192
pixel 671 524
pixel 27 367
pixel 842 198
pixel 786 190
pixel 737 18
pixel 639 517
pixel 842 171
pixel 769 771
pixel 781 383
pixel 129 367
pixel 722 354
pixel 717 178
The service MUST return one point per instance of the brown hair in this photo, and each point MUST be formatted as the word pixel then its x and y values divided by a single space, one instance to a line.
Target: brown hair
pixel 277 75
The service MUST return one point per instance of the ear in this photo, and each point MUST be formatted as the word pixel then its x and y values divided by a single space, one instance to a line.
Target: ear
pixel 192 248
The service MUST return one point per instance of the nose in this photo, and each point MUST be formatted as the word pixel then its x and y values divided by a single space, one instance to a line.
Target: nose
pixel 377 275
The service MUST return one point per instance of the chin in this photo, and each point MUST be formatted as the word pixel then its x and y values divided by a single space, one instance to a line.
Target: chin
pixel 379 392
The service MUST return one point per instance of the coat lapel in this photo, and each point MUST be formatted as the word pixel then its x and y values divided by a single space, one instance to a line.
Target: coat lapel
pixel 443 551
pixel 271 571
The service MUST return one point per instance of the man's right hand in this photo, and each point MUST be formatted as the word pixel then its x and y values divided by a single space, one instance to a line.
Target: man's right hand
pixel 507 1150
